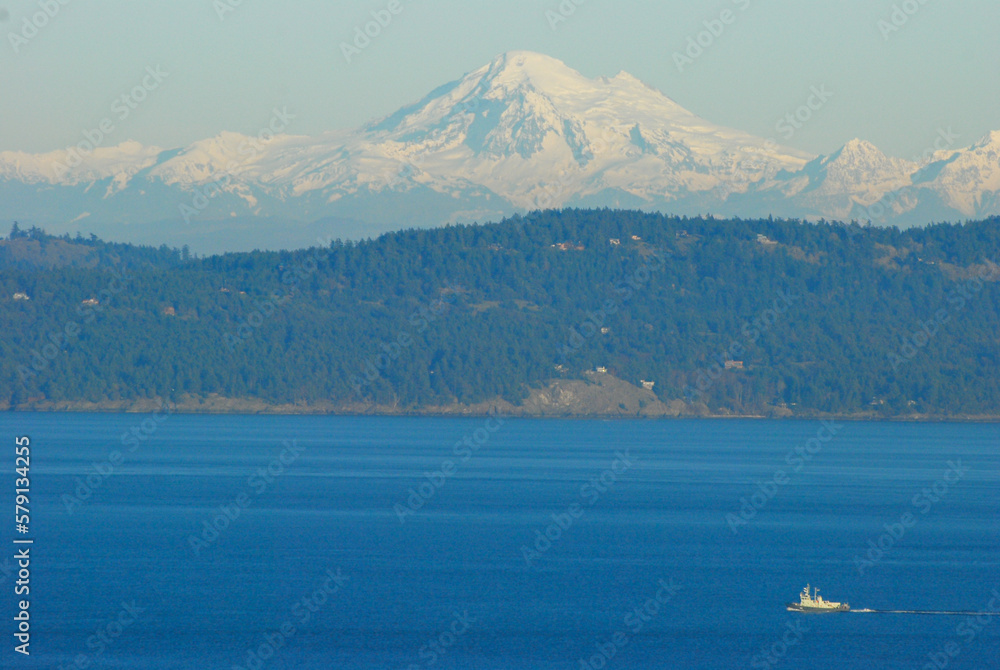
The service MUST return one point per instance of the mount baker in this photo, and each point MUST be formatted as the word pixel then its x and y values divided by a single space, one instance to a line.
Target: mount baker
pixel 523 132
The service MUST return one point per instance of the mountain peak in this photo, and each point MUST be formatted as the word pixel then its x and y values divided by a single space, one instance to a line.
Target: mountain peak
pixel 522 58
pixel 858 171
pixel 991 138
pixel 860 147
pixel 629 78
pixel 524 131
pixel 862 154
pixel 515 69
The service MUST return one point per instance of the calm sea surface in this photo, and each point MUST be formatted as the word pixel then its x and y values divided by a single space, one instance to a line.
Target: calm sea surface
pixel 314 542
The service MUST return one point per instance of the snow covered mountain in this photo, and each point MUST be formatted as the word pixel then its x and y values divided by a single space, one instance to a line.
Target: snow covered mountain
pixel 523 132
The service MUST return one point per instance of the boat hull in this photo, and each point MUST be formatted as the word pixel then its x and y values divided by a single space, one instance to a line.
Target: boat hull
pixel 795 607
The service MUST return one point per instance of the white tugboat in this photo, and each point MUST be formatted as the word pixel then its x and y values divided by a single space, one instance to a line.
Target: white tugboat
pixel 815 603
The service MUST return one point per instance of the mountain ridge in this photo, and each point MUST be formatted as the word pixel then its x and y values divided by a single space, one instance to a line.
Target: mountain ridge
pixel 523 132
pixel 582 312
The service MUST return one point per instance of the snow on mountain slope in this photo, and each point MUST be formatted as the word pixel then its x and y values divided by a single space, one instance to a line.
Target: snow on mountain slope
pixel 69 166
pixel 860 169
pixel 525 127
pixel 857 175
pixel 966 180
pixel 536 132
pixel 524 131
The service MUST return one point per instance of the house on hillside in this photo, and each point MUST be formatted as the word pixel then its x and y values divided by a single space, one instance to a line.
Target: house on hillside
pixel 21 296
pixel 568 246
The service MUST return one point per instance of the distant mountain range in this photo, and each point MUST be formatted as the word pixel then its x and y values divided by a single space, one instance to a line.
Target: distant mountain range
pixel 521 133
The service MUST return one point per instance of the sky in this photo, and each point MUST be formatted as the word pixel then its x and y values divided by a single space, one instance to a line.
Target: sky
pixel 895 72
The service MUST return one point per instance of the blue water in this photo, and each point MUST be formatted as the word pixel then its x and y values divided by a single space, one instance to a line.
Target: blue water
pixel 449 586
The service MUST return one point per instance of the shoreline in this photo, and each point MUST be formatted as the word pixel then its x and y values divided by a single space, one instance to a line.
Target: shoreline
pixel 247 407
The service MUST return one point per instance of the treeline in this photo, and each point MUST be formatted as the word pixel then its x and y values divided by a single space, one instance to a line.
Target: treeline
pixel 33 248
pixel 741 315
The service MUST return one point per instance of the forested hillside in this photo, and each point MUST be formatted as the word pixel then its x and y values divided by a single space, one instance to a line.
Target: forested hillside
pixel 739 316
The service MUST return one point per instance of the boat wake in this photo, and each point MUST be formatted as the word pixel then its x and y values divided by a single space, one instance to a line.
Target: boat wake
pixel 814 603
pixel 943 612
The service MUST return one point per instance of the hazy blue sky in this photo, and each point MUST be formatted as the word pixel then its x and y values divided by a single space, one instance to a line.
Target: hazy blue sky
pixel 941 69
